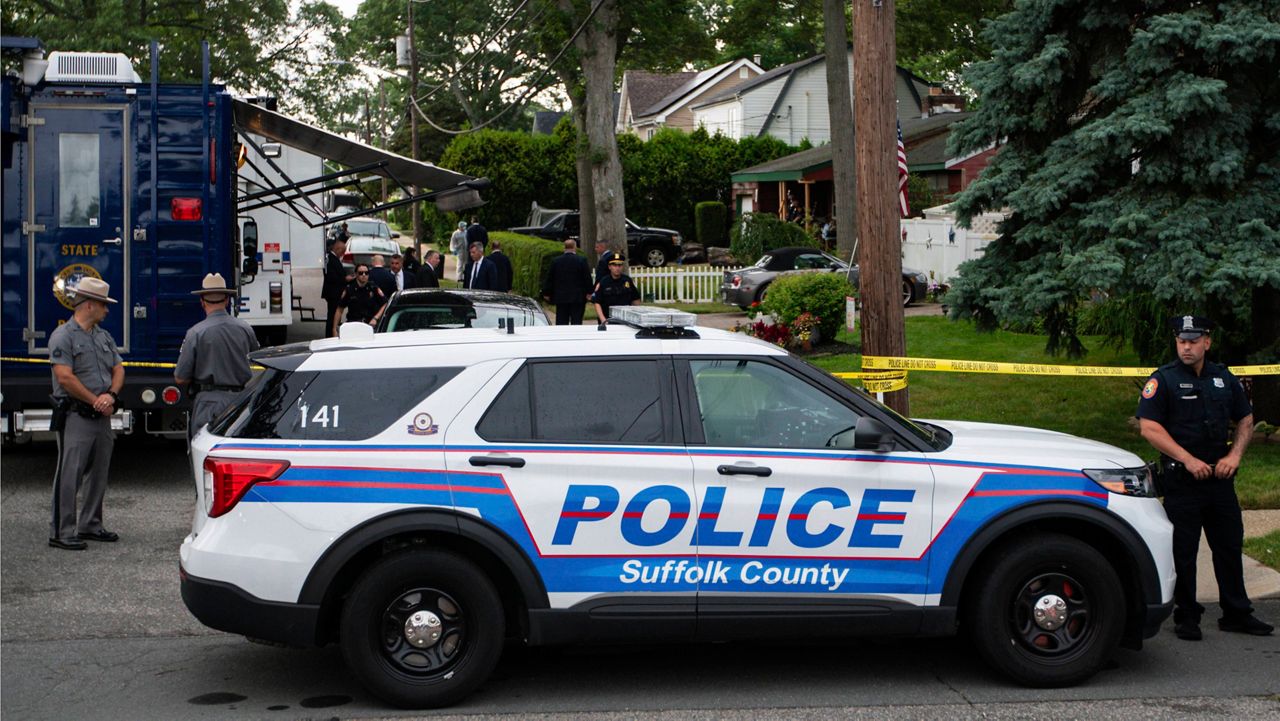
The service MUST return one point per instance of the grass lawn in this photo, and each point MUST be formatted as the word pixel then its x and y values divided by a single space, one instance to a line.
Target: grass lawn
pixel 1264 549
pixel 1097 408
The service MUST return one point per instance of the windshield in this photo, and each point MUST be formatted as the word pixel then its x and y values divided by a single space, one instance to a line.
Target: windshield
pixel 368 227
pixel 422 317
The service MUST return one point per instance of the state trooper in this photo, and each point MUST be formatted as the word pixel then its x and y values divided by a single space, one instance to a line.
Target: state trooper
pixel 87 377
pixel 215 354
pixel 1185 412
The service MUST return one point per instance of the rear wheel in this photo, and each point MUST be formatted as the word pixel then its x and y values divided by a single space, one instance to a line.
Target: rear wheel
pixel 422 629
pixel 908 292
pixel 655 256
pixel 1048 611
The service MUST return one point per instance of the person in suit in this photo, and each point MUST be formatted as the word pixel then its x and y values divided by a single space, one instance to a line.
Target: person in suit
pixel 481 272
pixel 604 255
pixel 380 276
pixel 335 281
pixel 477 233
pixel 404 277
pixel 411 264
pixel 568 285
pixel 428 275
pixel 502 264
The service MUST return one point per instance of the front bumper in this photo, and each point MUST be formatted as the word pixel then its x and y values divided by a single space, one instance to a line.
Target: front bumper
pixel 229 608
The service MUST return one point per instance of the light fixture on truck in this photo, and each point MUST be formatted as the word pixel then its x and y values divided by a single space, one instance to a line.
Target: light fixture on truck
pixel 186 208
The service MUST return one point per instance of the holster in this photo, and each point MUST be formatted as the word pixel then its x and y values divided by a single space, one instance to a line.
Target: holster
pixel 58 421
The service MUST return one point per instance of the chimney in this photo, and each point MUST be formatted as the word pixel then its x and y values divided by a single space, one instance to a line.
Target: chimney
pixel 756 58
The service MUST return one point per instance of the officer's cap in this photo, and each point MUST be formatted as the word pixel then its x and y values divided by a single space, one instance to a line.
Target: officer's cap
pixel 1190 327
pixel 619 259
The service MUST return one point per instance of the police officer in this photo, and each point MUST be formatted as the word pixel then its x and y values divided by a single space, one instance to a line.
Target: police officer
pixel 362 299
pixel 87 377
pixel 214 356
pixel 616 289
pixel 1185 412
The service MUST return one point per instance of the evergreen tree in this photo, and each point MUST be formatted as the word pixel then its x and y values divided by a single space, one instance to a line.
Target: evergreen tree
pixel 1140 171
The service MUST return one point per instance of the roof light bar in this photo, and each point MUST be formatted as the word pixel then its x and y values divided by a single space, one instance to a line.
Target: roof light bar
pixel 647 316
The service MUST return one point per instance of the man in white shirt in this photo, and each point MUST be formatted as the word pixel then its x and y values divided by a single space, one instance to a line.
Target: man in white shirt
pixel 403 279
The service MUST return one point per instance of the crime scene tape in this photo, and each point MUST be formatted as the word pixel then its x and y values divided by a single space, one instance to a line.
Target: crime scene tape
pixel 878 381
pixel 886 364
pixel 126 364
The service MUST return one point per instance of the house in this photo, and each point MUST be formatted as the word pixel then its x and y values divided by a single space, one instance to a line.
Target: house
pixel 651 101
pixel 790 103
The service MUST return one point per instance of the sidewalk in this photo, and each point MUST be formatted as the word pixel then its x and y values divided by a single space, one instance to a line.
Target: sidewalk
pixel 1259 580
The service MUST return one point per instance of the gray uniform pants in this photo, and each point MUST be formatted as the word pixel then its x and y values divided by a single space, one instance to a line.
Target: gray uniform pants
pixel 84 457
pixel 206 407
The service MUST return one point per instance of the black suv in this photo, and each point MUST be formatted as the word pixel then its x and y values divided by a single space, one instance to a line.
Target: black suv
pixel 654 247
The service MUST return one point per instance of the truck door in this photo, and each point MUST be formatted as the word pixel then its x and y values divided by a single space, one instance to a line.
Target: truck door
pixel 78 216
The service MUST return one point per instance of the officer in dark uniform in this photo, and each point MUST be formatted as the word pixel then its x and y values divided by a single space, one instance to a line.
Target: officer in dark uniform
pixel 616 289
pixel 335 281
pixel 1185 412
pixel 363 300
pixel 88 374
pixel 215 354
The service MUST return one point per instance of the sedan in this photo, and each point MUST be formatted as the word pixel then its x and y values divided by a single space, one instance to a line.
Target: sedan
pixel 431 308
pixel 751 285
pixel 369 237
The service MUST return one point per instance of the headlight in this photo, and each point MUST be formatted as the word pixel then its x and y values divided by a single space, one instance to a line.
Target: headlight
pixel 921 277
pixel 1126 481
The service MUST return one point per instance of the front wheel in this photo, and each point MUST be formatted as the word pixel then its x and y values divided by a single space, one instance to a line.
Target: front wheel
pixel 422 629
pixel 1048 611
pixel 655 256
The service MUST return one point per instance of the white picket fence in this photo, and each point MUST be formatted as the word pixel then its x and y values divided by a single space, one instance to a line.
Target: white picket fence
pixel 680 284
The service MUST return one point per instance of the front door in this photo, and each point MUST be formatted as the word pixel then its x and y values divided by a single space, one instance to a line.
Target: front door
pixel 78 214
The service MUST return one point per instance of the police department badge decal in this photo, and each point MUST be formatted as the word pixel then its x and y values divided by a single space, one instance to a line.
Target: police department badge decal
pixel 1217 382
pixel 422 425
pixel 1150 388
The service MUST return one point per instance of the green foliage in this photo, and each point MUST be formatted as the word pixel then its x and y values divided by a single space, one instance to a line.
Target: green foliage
pixel 712 220
pixel 756 233
pixel 1142 159
pixel 919 194
pixel 821 294
pixel 524 168
pixel 530 260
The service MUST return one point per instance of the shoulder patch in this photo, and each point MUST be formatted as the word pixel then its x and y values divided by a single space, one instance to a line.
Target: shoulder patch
pixel 1150 388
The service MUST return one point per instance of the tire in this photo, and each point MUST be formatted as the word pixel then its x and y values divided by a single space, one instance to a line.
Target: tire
pixel 654 256
pixel 762 293
pixel 908 293
pixel 397 587
pixel 1046 568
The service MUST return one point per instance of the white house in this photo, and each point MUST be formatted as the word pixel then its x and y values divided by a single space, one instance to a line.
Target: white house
pixel 650 101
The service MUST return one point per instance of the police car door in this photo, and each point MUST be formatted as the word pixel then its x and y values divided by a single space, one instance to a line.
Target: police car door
pixel 788 514
pixel 582 464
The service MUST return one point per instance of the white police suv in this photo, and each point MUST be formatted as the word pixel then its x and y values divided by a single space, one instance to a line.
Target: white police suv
pixel 422 497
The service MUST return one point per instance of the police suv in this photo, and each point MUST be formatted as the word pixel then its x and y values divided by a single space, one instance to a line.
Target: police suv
pixel 420 498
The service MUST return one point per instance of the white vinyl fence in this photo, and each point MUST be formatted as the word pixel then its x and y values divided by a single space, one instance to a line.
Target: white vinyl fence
pixel 937 245
pixel 680 284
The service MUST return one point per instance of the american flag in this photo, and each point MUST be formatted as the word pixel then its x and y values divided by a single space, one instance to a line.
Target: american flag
pixel 902 175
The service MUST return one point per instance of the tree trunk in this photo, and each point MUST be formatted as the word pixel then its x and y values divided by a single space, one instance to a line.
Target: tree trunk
pixel 597 50
pixel 586 198
pixel 840 111
pixel 875 145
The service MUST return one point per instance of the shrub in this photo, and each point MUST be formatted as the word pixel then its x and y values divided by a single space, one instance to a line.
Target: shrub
pixel 821 294
pixel 530 259
pixel 711 219
pixel 756 233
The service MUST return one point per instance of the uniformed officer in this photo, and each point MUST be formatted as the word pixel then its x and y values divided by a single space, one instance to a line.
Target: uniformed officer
pixel 214 356
pixel 87 377
pixel 362 299
pixel 1185 412
pixel 616 289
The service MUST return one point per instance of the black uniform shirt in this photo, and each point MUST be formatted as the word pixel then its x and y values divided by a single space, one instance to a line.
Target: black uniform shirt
pixel 615 291
pixel 361 302
pixel 1195 410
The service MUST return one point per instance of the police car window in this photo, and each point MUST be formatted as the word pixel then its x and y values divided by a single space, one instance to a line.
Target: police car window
pixel 588 402
pixel 758 405
pixel 329 405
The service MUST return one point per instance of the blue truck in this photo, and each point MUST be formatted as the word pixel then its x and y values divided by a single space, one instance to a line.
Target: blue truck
pixel 138 184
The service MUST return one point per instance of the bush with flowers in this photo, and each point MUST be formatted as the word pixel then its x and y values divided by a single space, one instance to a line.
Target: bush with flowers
pixel 803 326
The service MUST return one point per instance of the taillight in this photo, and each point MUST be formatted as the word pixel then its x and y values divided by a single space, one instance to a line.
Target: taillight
pixel 737 281
pixel 348 258
pixel 232 477
pixel 185 208
pixel 170 395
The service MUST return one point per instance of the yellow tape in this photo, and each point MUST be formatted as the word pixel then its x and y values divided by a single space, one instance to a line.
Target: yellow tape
pixel 885 363
pixel 126 364
pixel 878 381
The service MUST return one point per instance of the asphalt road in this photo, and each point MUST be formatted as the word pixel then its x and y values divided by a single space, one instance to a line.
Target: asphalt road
pixel 103 634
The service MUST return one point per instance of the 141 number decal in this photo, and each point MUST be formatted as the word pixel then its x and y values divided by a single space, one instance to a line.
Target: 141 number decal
pixel 322 417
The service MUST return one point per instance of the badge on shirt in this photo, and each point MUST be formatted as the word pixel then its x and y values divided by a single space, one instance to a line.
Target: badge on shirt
pixel 1150 388
pixel 1218 382
pixel 57 352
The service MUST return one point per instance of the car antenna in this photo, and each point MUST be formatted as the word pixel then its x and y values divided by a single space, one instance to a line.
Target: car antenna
pixel 511 325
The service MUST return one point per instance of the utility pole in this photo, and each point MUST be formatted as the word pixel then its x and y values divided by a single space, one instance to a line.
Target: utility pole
pixel 878 213
pixel 382 134
pixel 413 126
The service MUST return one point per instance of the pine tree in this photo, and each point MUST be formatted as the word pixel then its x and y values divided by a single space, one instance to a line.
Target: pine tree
pixel 1140 171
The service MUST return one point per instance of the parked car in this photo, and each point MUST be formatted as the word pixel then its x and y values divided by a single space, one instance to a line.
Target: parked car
pixel 749 285
pixel 369 237
pixel 431 308
pixel 654 247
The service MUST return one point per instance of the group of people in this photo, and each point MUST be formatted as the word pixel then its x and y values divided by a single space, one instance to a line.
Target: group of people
pixel 364 292
pixel 570 287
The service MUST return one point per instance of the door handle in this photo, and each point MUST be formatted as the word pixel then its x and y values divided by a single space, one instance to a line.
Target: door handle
pixel 112 241
pixel 497 461
pixel 762 471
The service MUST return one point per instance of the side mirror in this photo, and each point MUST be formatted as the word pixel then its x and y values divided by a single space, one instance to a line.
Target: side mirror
pixel 872 435
pixel 249 244
pixel 395 234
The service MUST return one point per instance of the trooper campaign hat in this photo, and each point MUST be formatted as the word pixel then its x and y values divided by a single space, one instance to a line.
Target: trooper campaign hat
pixel 1190 327
pixel 92 288
pixel 213 284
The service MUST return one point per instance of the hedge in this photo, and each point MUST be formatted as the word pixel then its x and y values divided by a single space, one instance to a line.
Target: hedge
pixel 712 220
pixel 530 260
pixel 822 294
pixel 756 233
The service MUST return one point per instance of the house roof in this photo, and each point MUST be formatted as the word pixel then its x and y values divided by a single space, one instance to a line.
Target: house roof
pixel 757 81
pixel 645 89
pixel 925 138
